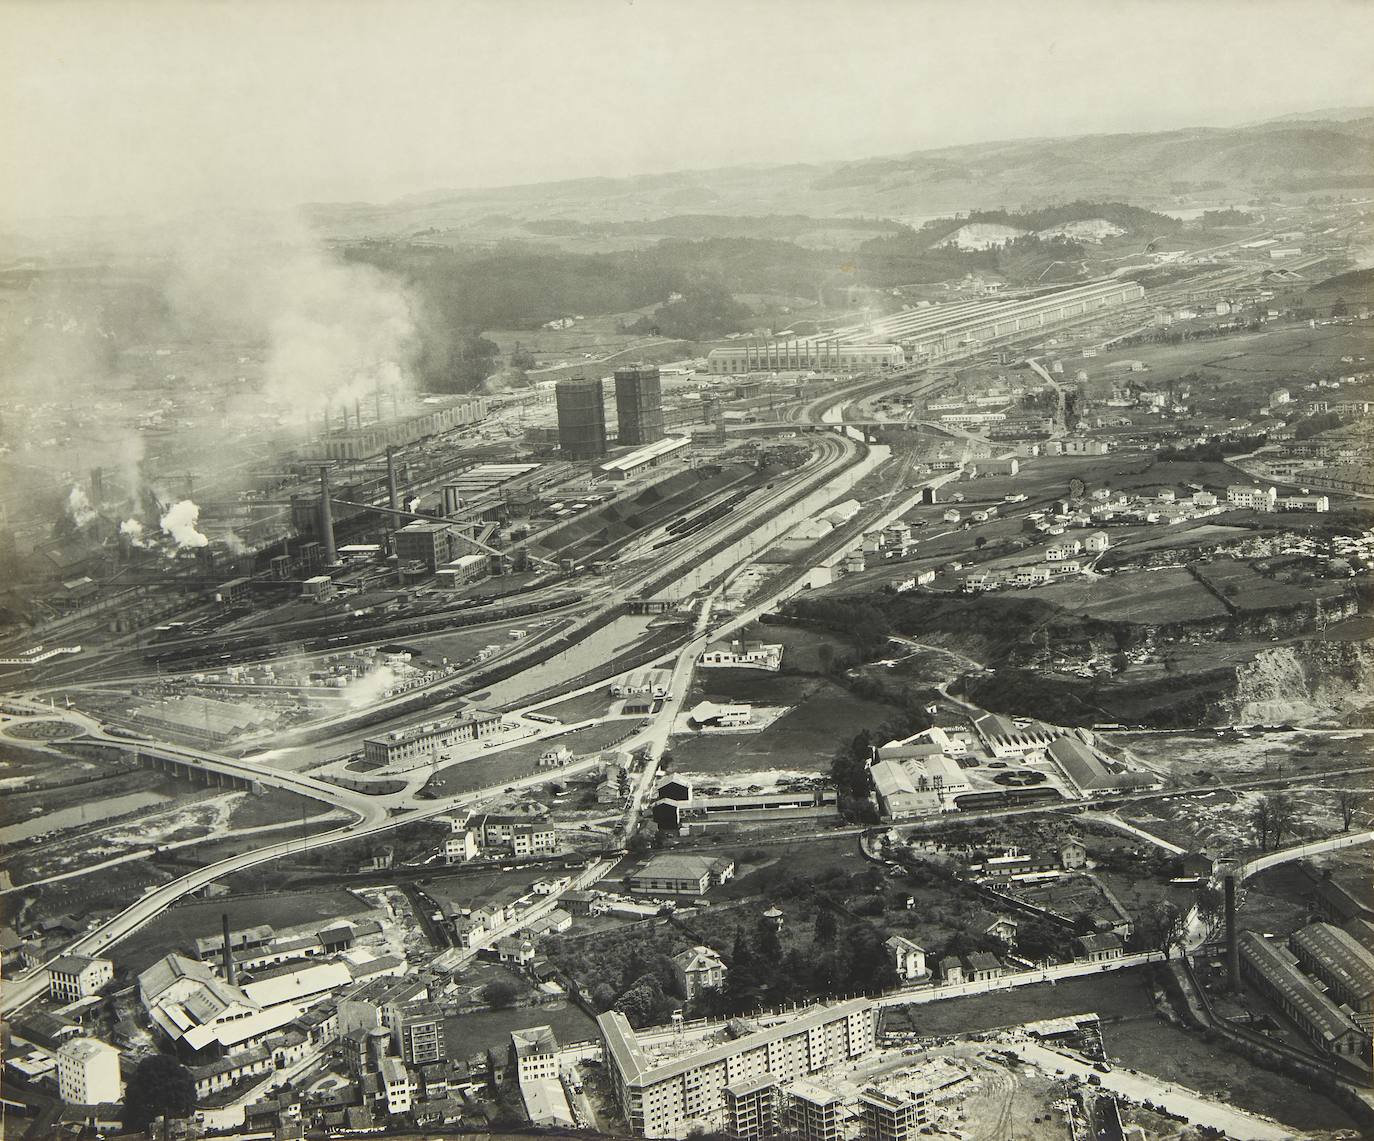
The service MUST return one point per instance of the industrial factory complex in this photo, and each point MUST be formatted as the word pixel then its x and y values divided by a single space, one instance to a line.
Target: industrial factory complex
pixel 901 725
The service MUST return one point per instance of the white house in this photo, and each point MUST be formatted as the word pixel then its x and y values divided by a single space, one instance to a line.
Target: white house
pixel 461 847
pixel 908 957
pixel 1097 542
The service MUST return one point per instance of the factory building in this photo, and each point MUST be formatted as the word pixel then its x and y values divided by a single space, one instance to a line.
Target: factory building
pixel 1273 968
pixel 939 331
pixel 1340 961
pixel 792 355
pixel 666 1097
pixel 581 419
pixel 649 456
pixel 430 419
pixel 638 405
pixel 434 544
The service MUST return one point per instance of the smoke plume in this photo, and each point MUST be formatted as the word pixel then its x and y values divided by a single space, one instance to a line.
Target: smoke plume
pixel 79 507
pixel 132 530
pixel 180 523
pixel 334 332
pixel 370 688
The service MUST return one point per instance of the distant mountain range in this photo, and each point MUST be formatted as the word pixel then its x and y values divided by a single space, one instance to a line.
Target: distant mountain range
pixel 1307 152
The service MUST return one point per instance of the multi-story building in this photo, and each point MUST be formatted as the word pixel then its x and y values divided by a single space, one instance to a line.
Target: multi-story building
pixel 1251 498
pixel 581 419
pixel 398 1086
pixel 522 837
pixel 638 405
pixel 813 1112
pixel 751 1109
pixel 76 976
pixel 892 1114
pixel 421 740
pixel 534 1053
pixel 88 1072
pixel 417 1032
pixel 434 544
pixel 665 1097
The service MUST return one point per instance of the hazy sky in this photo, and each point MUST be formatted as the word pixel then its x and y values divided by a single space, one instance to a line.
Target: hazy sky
pixel 141 106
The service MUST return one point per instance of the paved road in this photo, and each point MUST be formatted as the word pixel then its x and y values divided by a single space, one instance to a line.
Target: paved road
pixel 1287 855
pixel 919 995
pixel 1194 1107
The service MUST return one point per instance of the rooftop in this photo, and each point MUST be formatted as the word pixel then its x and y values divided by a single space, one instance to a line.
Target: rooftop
pixel 639 1069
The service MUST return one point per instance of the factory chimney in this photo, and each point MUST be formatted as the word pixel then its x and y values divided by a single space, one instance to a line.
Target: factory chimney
pixel 392 493
pixel 97 486
pixel 1232 944
pixel 331 552
pixel 453 501
pixel 228 951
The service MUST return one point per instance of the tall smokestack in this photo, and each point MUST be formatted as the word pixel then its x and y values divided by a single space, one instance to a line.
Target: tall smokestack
pixel 357 413
pixel 97 486
pixel 228 951
pixel 1232 943
pixel 392 492
pixel 331 552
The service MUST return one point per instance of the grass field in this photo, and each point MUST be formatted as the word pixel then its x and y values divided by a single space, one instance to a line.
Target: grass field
pixel 1142 596
pixel 522 760
pixel 805 738
pixel 477 1032
pixel 179 927
pixel 1247 589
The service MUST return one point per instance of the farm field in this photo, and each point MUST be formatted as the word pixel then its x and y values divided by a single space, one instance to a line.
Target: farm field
pixel 805 738
pixel 1134 1037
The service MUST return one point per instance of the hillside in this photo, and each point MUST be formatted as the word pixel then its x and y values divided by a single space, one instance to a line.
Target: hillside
pixel 1205 166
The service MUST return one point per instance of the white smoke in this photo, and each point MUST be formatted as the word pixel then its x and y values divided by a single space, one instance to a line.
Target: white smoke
pixel 132 530
pixel 79 506
pixel 334 332
pixel 372 687
pixel 235 545
pixel 180 523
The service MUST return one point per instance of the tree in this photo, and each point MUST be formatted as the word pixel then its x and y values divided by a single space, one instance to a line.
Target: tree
pixel 160 1087
pixel 824 933
pixel 1283 816
pixel 500 994
pixel 1348 801
pixel 1261 818
pixel 646 836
